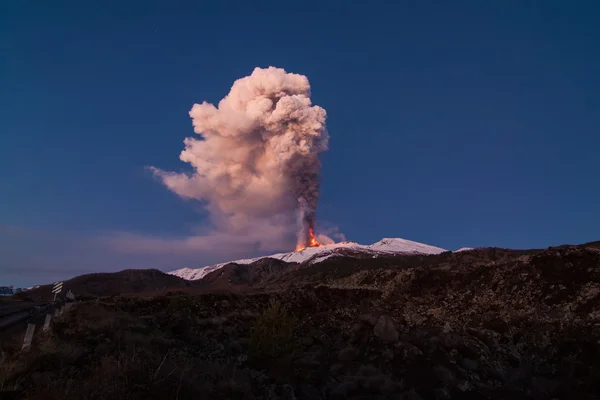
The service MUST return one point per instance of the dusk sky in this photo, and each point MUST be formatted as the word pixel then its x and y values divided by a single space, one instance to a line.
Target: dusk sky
pixel 463 123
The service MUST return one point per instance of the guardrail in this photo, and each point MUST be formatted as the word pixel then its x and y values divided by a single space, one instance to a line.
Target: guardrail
pixel 33 315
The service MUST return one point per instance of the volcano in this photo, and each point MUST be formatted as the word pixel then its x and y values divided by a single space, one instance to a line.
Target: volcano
pixel 315 253
pixel 312 241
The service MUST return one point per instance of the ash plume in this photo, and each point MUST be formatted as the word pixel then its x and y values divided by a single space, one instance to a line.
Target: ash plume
pixel 257 159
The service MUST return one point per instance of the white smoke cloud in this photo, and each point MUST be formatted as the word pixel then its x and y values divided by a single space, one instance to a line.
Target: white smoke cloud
pixel 256 165
pixel 330 235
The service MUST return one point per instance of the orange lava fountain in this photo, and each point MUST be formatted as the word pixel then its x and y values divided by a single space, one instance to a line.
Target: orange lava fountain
pixel 312 242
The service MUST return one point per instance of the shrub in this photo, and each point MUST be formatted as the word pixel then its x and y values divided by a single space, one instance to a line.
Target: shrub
pixel 271 341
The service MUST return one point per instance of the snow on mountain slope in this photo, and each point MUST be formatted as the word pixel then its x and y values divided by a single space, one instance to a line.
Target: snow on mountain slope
pixel 313 255
pixel 404 246
pixel 463 249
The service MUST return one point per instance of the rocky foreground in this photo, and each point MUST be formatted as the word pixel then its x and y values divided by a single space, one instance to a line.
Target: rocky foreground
pixel 485 324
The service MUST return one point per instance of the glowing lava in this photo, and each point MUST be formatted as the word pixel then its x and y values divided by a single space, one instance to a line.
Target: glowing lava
pixel 312 241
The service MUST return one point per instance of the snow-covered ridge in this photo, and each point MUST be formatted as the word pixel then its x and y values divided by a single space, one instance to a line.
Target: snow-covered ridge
pixel 464 249
pixel 313 255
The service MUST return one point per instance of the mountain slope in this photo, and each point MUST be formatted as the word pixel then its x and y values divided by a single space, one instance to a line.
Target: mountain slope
pixel 112 283
pixel 313 255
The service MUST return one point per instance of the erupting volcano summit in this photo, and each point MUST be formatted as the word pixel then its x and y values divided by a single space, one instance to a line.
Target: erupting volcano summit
pixel 256 166
pixel 311 242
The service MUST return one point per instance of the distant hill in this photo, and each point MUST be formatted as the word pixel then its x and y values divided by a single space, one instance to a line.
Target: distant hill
pixel 595 245
pixel 129 281
pixel 271 272
pixel 236 277
pixel 344 264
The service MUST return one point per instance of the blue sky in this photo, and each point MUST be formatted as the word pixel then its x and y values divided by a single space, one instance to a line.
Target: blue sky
pixel 455 124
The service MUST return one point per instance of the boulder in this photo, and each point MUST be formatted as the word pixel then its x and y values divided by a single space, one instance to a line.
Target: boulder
pixel 368 319
pixel 469 364
pixel 348 354
pixel 385 329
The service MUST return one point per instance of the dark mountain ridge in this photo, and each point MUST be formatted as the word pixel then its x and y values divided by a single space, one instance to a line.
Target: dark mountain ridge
pixel 129 281
pixel 269 272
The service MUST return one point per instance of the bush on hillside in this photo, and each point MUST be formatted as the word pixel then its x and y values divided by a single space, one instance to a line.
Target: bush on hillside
pixel 271 341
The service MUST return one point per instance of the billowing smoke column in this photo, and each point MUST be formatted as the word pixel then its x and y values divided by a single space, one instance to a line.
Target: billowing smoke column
pixel 306 223
pixel 258 159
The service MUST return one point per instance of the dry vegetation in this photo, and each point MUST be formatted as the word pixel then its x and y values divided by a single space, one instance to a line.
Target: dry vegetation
pixel 518 327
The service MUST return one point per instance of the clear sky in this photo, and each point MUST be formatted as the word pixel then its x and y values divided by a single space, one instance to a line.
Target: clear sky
pixel 463 123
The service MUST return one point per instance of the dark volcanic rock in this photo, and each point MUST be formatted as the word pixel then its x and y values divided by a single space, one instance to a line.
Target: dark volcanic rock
pixel 385 329
pixel 348 354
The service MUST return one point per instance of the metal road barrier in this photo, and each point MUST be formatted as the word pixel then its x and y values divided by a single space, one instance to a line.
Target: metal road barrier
pixel 16 313
pixel 33 315
pixel 13 313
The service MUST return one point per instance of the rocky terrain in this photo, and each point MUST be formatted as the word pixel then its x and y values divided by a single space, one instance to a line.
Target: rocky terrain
pixel 479 324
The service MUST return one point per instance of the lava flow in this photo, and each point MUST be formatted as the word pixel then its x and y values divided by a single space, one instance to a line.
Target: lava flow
pixel 312 241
